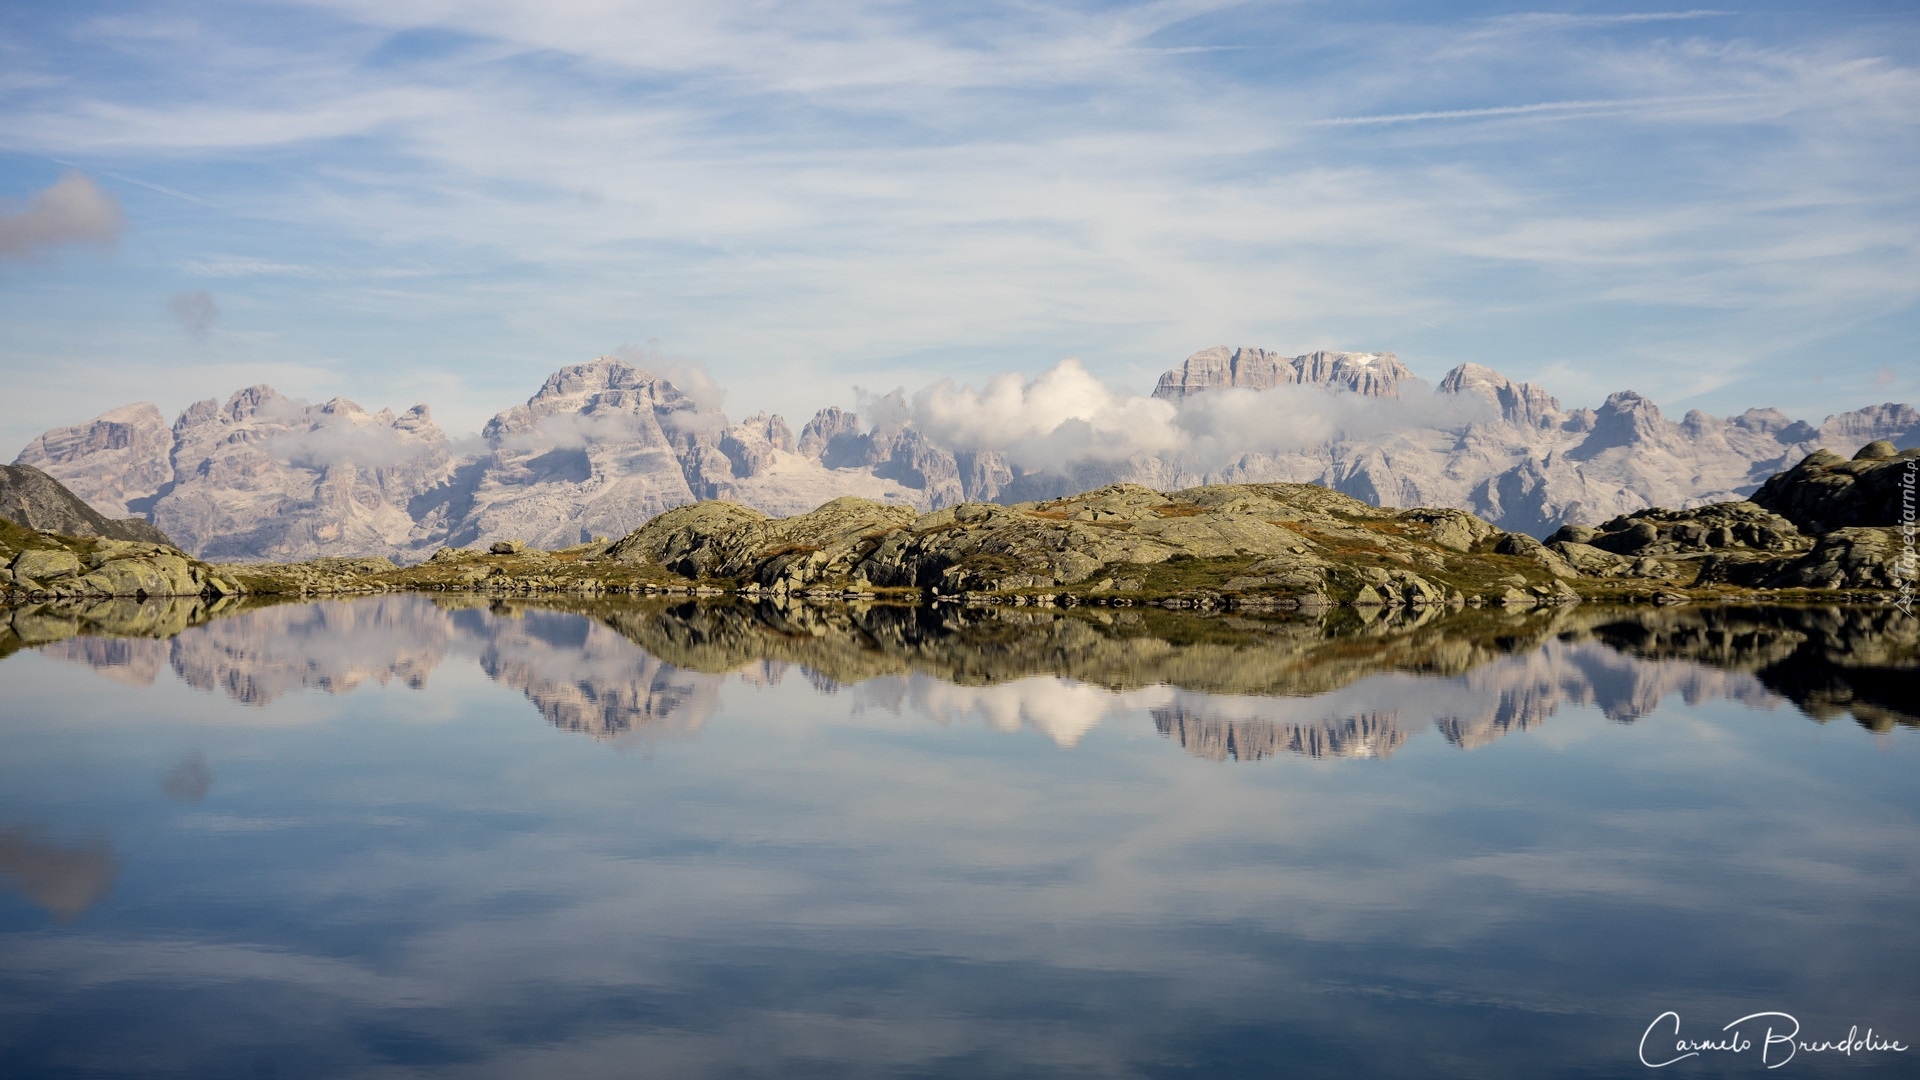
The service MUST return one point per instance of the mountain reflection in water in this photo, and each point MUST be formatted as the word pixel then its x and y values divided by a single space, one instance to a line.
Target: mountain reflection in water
pixel 1222 687
pixel 332 839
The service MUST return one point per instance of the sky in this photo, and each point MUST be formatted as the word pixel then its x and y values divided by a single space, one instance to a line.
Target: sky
pixel 405 201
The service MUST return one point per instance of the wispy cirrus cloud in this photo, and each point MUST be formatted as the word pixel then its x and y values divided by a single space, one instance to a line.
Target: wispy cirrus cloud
pixel 1538 108
pixel 817 195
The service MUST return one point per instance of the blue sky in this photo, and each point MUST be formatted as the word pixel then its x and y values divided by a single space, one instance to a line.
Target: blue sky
pixel 441 201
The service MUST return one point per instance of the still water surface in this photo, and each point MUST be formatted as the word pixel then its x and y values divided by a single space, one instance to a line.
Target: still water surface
pixel 391 837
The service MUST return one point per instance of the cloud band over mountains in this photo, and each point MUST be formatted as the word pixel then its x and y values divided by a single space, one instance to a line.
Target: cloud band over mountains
pixel 1066 416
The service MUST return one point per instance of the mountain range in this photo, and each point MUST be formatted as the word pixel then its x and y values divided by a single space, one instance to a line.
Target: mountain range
pixel 603 446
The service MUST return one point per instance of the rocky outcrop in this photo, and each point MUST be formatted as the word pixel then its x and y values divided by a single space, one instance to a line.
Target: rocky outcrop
pixel 1825 492
pixel 722 540
pixel 1827 523
pixel 1276 543
pixel 1842 559
pixel 1728 526
pixel 38 565
pixel 35 500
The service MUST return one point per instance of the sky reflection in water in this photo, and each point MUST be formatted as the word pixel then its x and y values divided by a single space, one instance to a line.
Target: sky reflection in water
pixel 391 838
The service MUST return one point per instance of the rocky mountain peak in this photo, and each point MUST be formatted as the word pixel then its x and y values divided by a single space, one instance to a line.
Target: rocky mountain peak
pixel 771 429
pixel 1520 403
pixel 1762 421
pixel 828 424
pixel 1626 420
pixel 246 403
pixel 1901 423
pixel 117 458
pixel 596 375
pixel 1371 374
pixel 603 400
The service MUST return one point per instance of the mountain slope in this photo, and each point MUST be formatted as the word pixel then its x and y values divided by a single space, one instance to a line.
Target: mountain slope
pixel 31 498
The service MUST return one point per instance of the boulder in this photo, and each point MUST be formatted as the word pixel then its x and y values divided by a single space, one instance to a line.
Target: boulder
pixel 130 577
pixel 1739 525
pixel 1592 561
pixel 1827 492
pixel 1853 558
pixel 45 565
pixel 1526 547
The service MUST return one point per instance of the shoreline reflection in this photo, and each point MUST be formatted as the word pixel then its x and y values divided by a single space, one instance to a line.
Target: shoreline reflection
pixel 1224 688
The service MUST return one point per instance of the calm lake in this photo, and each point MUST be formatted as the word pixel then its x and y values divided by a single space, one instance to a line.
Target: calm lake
pixel 395 837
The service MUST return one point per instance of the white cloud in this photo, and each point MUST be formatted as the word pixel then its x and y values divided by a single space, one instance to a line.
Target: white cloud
pixel 1066 416
pixel 330 439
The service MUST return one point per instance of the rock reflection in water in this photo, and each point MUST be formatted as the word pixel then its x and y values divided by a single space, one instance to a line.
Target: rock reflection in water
pixel 1223 687
pixel 1831 662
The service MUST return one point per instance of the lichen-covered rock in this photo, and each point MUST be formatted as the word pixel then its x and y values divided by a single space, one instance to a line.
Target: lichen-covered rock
pixel 694 540
pixel 1455 530
pixel 127 577
pixel 49 564
pixel 722 540
pixel 1591 561
pixel 46 565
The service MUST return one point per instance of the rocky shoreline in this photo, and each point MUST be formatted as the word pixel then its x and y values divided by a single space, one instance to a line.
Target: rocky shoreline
pixel 1822 531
